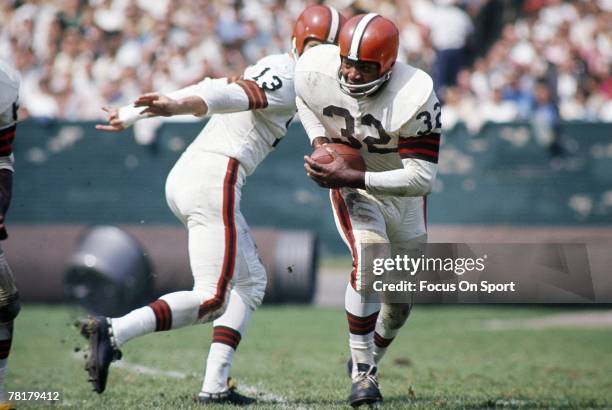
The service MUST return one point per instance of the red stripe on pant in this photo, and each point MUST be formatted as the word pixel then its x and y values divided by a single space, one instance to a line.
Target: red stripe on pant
pixel 381 341
pixel 163 315
pixel 345 222
pixel 227 336
pixel 229 259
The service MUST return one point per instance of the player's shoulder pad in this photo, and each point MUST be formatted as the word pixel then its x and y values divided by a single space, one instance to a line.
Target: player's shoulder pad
pixel 324 59
pixel 412 87
pixel 281 64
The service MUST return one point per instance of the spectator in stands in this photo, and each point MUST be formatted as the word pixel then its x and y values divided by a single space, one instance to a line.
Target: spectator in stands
pixel 137 43
pixel 516 93
pixel 545 116
pixel 450 28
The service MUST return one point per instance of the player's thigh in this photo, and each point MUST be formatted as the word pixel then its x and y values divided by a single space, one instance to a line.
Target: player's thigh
pixel 7 282
pixel 250 278
pixel 201 186
pixel 410 225
pixel 362 226
pixel 9 297
pixel 213 220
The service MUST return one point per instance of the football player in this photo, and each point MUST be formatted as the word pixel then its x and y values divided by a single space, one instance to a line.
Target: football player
pixel 249 118
pixel 9 297
pixel 357 94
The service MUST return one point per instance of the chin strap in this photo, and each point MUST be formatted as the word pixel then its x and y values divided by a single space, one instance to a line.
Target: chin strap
pixel 362 90
pixel 294 51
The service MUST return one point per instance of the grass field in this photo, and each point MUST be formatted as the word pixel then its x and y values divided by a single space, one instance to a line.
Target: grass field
pixel 295 357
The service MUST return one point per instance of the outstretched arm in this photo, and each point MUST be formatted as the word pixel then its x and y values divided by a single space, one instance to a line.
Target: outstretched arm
pixel 152 105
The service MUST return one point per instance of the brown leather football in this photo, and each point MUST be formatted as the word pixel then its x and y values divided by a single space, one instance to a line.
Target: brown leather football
pixel 349 154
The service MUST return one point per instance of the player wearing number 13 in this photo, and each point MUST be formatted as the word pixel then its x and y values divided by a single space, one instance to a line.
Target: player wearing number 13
pixel 356 93
pixel 249 117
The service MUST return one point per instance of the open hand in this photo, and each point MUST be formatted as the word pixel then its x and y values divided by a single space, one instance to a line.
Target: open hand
pixel 114 123
pixel 157 104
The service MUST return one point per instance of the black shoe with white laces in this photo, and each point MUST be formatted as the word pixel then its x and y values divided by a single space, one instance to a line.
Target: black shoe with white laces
pixel 102 351
pixel 365 386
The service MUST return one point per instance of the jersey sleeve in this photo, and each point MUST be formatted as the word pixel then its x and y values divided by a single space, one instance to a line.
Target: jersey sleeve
pixel 130 114
pixel 262 86
pixel 414 179
pixel 418 147
pixel 309 120
pixel 420 136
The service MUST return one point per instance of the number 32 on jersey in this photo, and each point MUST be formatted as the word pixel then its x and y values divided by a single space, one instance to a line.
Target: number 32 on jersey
pixel 431 122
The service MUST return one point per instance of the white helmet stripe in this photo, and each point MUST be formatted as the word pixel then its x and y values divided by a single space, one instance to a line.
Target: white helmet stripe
pixel 358 33
pixel 333 27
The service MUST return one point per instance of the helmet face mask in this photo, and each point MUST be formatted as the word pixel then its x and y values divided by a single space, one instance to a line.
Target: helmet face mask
pixel 368 38
pixel 317 22
pixel 364 89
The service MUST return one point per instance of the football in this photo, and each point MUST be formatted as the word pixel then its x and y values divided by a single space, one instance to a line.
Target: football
pixel 350 155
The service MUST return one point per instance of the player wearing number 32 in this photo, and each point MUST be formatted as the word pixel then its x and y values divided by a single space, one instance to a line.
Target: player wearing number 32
pixel 356 93
pixel 249 117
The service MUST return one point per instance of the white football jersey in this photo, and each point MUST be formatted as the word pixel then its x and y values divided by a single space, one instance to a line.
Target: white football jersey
pixel 265 96
pixel 249 115
pixel 9 102
pixel 9 92
pixel 399 122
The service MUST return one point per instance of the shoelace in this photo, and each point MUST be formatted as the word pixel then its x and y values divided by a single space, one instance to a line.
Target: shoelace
pixel 364 378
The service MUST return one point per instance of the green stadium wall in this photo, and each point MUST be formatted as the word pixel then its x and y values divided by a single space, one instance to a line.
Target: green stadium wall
pixel 69 173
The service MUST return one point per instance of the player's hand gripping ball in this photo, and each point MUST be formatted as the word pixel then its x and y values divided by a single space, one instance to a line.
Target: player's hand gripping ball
pixel 349 154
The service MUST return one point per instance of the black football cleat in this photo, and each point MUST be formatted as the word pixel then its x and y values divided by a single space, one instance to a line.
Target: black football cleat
pixel 349 367
pixel 227 397
pixel 365 387
pixel 102 351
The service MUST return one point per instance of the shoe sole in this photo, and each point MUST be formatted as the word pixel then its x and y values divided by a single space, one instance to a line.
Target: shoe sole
pixel 89 330
pixel 366 400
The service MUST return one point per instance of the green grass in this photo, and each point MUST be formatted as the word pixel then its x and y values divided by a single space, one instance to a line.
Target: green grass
pixel 444 354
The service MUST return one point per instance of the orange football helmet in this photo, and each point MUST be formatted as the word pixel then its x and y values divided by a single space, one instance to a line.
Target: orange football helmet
pixel 322 23
pixel 372 38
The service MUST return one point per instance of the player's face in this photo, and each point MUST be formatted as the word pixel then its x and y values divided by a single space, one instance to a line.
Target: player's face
pixel 310 44
pixel 358 72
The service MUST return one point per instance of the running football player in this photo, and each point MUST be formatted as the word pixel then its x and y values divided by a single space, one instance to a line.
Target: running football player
pixel 358 94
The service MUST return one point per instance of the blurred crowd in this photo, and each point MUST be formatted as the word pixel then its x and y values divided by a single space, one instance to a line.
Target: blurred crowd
pixel 76 56
pixel 554 63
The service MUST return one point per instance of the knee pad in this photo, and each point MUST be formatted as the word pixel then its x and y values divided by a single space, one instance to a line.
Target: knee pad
pixel 252 287
pixel 394 315
pixel 10 310
pixel 363 275
pixel 252 293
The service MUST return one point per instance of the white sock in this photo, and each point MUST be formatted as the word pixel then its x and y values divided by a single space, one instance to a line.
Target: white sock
pixel 362 321
pixel 171 311
pixel 381 343
pixel 390 320
pixel 218 365
pixel 136 323
pixel 228 330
